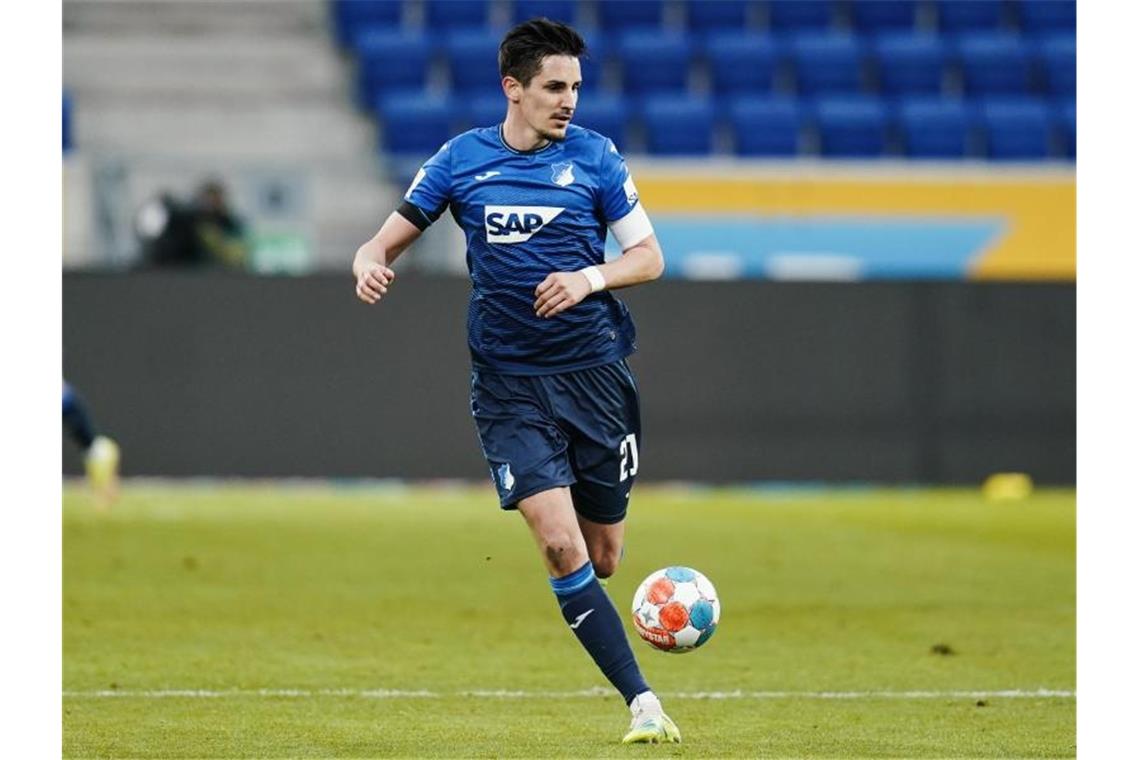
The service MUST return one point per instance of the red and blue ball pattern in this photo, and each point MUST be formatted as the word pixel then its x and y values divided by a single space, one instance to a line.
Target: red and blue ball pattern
pixel 676 609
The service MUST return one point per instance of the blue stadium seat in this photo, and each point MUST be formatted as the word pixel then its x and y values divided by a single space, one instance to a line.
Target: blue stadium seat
pixel 556 10
pixel 620 15
pixel 1064 116
pixel 827 62
pixel 593 64
pixel 444 15
pixel 605 114
pixel 1016 128
pixel 68 144
pixel 654 61
pixel 765 126
pixel 390 60
pixel 742 62
pixel 1048 15
pixel 994 63
pixel 483 110
pixel 969 15
pixel 678 125
pixel 350 16
pixel 414 124
pixel 1058 60
pixel 874 16
pixel 851 126
pixel 793 15
pixel 934 127
pixel 910 63
pixel 713 15
pixel 473 60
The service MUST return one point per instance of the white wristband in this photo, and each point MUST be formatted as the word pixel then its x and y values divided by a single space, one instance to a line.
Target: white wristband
pixel 594 275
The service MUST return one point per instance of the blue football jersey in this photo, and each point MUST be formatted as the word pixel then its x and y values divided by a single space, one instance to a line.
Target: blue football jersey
pixel 526 215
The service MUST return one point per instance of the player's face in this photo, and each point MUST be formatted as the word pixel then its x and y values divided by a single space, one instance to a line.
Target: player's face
pixel 548 102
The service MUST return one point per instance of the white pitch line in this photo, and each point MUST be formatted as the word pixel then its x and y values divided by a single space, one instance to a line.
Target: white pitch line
pixel 594 692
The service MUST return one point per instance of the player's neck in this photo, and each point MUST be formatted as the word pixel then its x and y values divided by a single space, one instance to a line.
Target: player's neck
pixel 520 136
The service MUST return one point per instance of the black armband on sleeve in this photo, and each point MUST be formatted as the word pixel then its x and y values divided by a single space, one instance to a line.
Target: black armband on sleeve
pixel 416 215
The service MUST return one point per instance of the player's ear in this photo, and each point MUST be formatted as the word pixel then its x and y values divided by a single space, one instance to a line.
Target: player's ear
pixel 513 88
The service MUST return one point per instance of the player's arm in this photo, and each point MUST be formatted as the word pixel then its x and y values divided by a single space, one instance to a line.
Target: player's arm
pixel 641 262
pixel 372 264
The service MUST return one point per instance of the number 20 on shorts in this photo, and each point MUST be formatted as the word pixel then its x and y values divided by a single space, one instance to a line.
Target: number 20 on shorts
pixel 628 456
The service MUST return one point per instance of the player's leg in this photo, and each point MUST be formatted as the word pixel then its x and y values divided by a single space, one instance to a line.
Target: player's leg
pixel 585 605
pixel 76 419
pixel 605 544
pixel 100 453
pixel 600 407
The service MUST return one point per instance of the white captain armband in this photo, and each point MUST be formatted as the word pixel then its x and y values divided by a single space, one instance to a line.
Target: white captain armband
pixel 597 280
pixel 632 228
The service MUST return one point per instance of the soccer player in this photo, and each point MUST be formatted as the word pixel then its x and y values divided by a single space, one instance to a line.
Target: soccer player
pixel 554 401
pixel 100 453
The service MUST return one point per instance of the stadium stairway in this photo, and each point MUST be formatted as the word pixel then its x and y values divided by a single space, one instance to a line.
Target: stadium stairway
pixel 225 88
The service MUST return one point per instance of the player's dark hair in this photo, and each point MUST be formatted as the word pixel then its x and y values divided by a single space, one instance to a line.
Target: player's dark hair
pixel 522 50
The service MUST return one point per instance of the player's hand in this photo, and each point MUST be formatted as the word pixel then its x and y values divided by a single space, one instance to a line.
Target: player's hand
pixel 559 291
pixel 373 282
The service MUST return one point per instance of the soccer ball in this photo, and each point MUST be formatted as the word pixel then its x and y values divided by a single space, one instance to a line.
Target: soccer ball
pixel 676 609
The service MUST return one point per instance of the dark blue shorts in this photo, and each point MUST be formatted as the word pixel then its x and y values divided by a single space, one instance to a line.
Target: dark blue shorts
pixel 579 429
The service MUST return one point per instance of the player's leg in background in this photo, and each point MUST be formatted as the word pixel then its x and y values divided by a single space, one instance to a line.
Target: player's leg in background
pixel 76 419
pixel 585 605
pixel 100 453
pixel 605 545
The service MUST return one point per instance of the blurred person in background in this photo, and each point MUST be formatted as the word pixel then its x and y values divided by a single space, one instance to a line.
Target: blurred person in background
pixel 203 233
pixel 555 403
pixel 100 453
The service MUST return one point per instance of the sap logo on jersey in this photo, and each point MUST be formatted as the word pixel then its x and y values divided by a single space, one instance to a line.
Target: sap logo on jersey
pixel 517 224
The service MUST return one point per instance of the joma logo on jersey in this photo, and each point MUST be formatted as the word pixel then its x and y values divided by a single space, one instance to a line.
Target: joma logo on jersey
pixel 516 224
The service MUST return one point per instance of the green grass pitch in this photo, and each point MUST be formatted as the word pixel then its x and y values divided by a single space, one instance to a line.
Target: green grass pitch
pixel 261 620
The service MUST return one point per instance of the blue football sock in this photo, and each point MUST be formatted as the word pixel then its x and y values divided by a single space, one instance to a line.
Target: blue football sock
pixel 592 617
pixel 76 419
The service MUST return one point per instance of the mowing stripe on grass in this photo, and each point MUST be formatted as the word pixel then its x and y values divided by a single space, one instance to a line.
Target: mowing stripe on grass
pixel 594 692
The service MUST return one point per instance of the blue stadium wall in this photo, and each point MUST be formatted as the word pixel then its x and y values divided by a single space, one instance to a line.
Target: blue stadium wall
pixel 889 382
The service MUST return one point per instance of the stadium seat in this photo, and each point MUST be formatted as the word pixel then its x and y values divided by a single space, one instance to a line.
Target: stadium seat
pixel 1058 61
pixel 414 124
pixel 1016 128
pixel 456 14
pixel 872 16
pixel 594 62
pixel 473 60
pixel 605 114
pixel 765 126
pixel 934 127
pixel 1064 117
pixel 956 16
pixel 793 15
pixel 389 60
pixel 654 61
pixel 828 62
pixel 351 16
pixel 910 63
pixel 678 125
pixel 483 110
pixel 621 15
pixel 851 126
pixel 67 138
pixel 1047 15
pixel 556 10
pixel 742 62
pixel 714 15
pixel 994 63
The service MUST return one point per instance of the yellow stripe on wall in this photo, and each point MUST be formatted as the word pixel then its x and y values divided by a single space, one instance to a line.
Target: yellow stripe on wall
pixel 1039 211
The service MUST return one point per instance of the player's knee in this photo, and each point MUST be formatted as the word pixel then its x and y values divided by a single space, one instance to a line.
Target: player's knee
pixel 563 554
pixel 606 562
